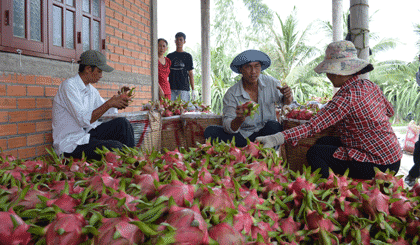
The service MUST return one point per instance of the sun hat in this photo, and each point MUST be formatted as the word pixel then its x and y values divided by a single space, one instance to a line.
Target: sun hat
pixel 250 55
pixel 95 58
pixel 341 59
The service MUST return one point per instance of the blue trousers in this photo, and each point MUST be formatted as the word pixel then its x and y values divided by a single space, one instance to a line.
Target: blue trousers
pixel 415 170
pixel 113 134
pixel 217 132
pixel 320 155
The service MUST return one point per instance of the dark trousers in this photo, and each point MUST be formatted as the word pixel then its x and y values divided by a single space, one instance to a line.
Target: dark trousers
pixel 217 132
pixel 320 155
pixel 113 134
pixel 415 170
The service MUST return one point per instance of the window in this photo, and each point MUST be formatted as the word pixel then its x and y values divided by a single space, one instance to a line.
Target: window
pixel 57 29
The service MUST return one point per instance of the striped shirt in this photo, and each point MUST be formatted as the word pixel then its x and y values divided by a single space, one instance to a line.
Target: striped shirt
pixel 361 114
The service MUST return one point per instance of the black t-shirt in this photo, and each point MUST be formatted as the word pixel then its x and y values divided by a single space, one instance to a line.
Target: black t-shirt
pixel 181 63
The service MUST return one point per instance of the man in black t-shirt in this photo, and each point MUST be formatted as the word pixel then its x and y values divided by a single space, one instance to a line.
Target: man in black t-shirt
pixel 181 75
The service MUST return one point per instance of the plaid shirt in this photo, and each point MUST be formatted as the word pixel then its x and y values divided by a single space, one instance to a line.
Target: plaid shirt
pixel 361 114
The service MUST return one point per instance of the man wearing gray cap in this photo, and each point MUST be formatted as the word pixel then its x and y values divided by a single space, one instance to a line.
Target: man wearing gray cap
pixel 261 89
pixel 76 108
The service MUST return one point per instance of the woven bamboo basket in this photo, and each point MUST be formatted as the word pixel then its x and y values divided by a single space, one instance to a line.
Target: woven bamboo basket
pixel 194 124
pixel 152 137
pixel 146 127
pixel 296 155
pixel 172 134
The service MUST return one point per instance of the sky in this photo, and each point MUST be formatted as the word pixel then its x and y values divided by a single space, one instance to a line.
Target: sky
pixel 389 20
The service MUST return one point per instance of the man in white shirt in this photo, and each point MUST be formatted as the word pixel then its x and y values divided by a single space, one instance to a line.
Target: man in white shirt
pixel 78 105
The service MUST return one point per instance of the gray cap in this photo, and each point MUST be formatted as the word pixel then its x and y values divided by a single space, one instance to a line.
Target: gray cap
pixel 95 58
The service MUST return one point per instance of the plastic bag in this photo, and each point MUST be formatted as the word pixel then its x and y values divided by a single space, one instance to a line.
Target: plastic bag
pixel 411 137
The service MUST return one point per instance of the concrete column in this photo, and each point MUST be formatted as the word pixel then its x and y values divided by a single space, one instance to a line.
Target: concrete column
pixel 337 20
pixel 205 52
pixel 359 25
pixel 154 45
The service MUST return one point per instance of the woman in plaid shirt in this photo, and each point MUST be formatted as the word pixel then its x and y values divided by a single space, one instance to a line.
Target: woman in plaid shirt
pixel 361 114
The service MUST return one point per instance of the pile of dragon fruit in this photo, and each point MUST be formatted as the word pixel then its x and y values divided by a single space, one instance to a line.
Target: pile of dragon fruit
pixel 169 108
pixel 216 194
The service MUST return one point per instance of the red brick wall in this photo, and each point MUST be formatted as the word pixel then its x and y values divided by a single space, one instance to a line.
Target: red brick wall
pixel 128 35
pixel 26 100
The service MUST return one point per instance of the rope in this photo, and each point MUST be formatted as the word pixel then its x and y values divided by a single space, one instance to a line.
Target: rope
pixel 359 4
pixel 361 32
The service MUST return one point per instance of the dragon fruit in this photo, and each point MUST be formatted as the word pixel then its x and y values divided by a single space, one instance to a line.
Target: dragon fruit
pixel 179 191
pixel 250 198
pixel 13 231
pixel 146 183
pixel 112 201
pixel 242 221
pixel 97 182
pixel 225 234
pixel 65 202
pixel 191 228
pixel 119 231
pixel 401 207
pixel 30 200
pixel 66 229
pixel 374 202
pixel 316 221
pixel 252 149
pixel 262 228
pixel 219 199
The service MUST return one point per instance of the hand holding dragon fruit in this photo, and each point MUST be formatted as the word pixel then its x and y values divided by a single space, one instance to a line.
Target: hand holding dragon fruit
pixel 128 93
pixel 249 108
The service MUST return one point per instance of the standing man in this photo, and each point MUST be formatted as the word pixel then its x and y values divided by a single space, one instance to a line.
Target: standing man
pixel 76 108
pixel 181 75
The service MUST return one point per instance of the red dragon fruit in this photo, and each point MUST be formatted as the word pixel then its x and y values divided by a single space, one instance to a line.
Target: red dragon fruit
pixel 119 231
pixel 225 234
pixel 146 183
pixel 191 228
pixel 261 228
pixel 66 229
pixel 98 181
pixel 289 226
pixel 402 207
pixel 296 188
pixel 342 215
pixel 375 202
pixel 316 221
pixel 58 186
pixel 204 176
pixel 252 149
pixel 243 221
pixel 219 199
pixel 250 198
pixel 30 200
pixel 179 191
pixel 112 201
pixel 65 202
pixel 258 167
pixel 238 155
pixel 13 231
pixel 112 158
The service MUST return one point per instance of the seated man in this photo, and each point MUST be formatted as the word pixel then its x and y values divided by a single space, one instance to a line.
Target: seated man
pixel 77 107
pixel 262 89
